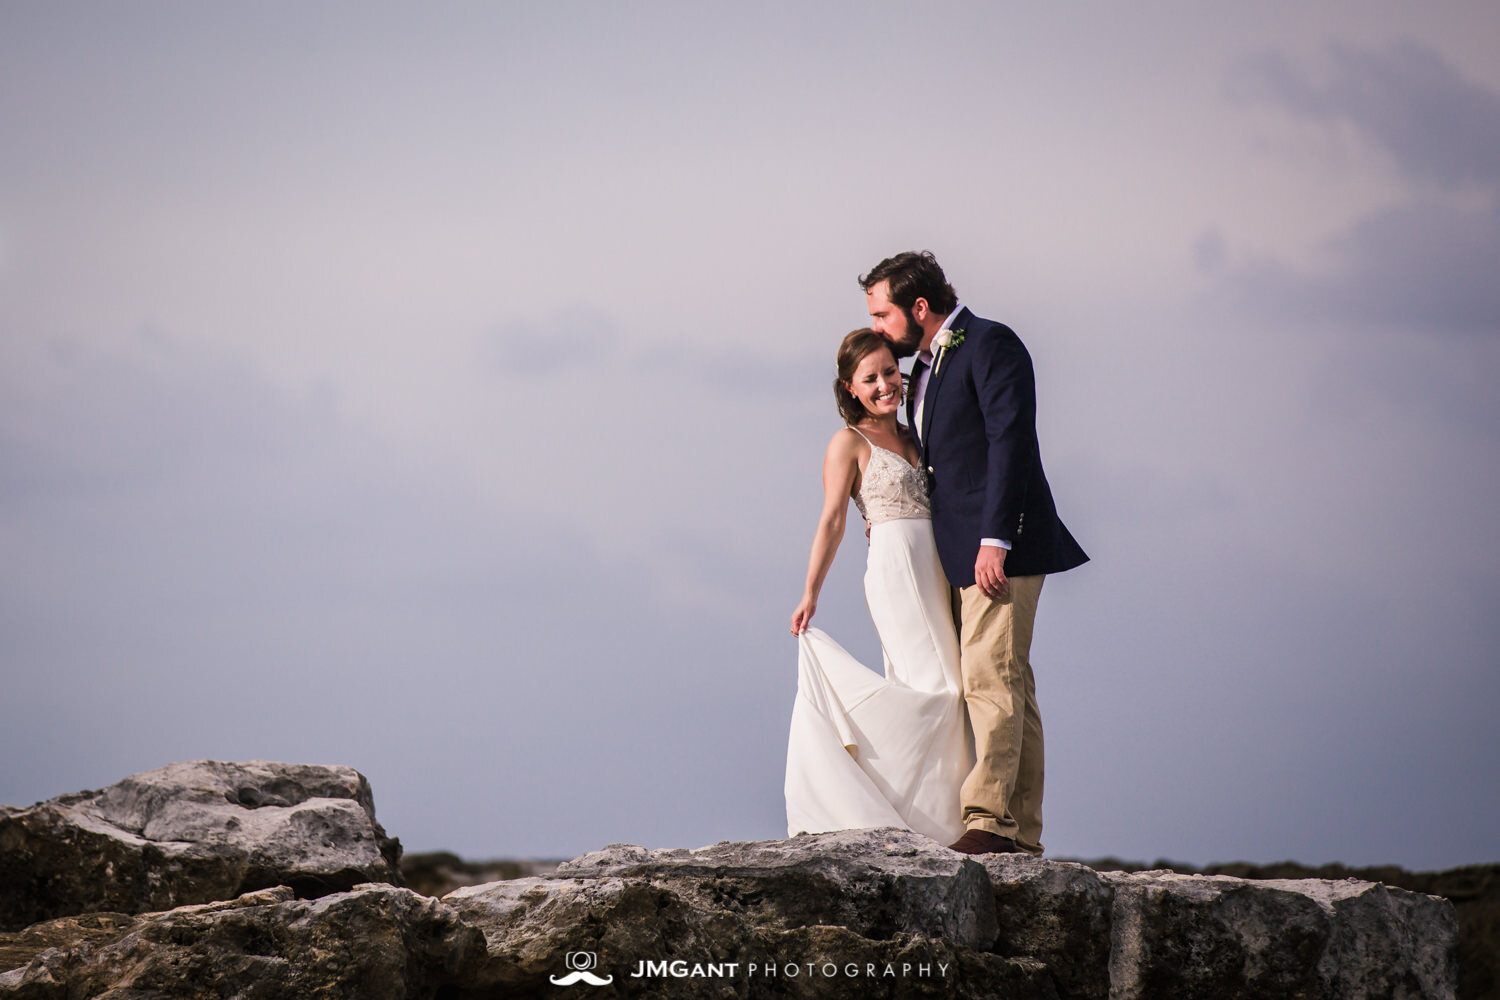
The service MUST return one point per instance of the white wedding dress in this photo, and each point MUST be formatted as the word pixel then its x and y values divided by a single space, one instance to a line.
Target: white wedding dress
pixel 893 750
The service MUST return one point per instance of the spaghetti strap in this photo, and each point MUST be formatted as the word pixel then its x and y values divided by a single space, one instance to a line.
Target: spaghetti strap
pixel 875 447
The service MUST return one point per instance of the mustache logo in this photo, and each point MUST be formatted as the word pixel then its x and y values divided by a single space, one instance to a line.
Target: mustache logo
pixel 580 976
pixel 581 962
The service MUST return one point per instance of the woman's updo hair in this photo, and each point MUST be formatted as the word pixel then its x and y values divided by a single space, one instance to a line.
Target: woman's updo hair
pixel 857 346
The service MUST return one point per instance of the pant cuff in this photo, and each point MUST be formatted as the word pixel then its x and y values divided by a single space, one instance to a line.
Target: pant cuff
pixel 989 824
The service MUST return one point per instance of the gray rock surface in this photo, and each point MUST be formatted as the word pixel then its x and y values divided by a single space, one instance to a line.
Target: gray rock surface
pixel 191 833
pixel 376 942
pixel 1002 925
pixel 1158 933
pixel 875 883
pixel 856 914
pixel 1213 935
pixel 920 916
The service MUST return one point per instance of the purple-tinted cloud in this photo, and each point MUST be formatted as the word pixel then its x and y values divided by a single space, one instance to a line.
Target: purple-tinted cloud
pixel 1426 264
pixel 1421 266
pixel 1436 125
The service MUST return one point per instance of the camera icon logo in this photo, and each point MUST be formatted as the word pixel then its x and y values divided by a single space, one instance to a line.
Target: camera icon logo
pixel 582 964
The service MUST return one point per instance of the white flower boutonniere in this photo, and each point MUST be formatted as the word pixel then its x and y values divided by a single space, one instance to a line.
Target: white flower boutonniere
pixel 943 341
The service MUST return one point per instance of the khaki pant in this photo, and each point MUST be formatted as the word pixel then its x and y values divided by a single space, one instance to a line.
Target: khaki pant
pixel 1003 794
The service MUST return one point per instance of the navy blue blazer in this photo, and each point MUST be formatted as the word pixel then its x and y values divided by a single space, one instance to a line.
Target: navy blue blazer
pixel 984 466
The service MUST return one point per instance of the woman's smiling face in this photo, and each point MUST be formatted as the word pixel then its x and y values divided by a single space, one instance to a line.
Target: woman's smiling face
pixel 877 383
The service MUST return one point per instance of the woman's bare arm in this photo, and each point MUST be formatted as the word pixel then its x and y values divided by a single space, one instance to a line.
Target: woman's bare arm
pixel 840 470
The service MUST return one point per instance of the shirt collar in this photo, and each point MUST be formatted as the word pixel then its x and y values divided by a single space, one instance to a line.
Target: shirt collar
pixel 926 356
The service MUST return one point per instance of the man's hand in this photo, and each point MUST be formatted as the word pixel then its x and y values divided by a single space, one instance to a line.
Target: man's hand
pixel 989 572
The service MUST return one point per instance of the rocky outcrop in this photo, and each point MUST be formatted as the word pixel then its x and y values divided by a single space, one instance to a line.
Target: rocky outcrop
pixel 868 913
pixel 707 922
pixel 376 942
pixel 1474 891
pixel 1217 936
pixel 191 833
pixel 860 913
pixel 857 901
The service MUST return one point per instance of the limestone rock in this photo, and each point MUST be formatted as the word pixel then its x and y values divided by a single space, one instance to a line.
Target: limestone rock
pixel 372 943
pixel 1177 935
pixel 877 883
pixel 1474 891
pixel 1058 914
pixel 191 833
pixel 894 908
pixel 852 914
pixel 860 902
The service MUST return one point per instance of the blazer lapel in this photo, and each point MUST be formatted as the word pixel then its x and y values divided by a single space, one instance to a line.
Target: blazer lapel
pixel 929 400
pixel 940 368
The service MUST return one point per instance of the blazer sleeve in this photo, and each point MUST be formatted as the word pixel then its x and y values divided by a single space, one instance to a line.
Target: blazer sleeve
pixel 1006 388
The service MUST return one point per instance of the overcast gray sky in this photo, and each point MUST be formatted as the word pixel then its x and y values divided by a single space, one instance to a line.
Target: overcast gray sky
pixel 442 391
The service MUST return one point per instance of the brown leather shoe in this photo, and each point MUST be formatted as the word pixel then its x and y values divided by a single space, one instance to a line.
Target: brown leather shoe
pixel 984 842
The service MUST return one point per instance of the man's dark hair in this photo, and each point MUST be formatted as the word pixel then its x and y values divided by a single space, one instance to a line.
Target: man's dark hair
pixel 913 276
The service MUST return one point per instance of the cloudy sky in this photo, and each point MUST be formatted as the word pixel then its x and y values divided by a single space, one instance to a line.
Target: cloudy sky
pixel 442 391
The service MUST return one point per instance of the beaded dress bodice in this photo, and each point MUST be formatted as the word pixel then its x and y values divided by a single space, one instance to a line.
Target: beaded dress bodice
pixel 891 488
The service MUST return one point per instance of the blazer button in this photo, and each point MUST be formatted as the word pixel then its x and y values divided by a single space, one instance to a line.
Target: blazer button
pixel 929 470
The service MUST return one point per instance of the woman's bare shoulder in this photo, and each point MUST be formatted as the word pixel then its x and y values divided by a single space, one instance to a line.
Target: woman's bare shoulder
pixel 846 441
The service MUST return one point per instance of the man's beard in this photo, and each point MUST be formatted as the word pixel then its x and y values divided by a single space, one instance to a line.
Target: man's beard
pixel 907 345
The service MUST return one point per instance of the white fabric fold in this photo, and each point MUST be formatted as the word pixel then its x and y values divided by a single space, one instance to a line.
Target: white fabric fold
pixel 871 750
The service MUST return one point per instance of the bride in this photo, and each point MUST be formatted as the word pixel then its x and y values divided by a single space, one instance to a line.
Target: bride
pixel 868 749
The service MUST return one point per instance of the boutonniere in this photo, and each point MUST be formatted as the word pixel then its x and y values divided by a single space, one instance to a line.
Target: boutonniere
pixel 945 340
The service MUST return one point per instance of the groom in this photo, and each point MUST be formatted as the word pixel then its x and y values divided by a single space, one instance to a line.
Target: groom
pixel 972 405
